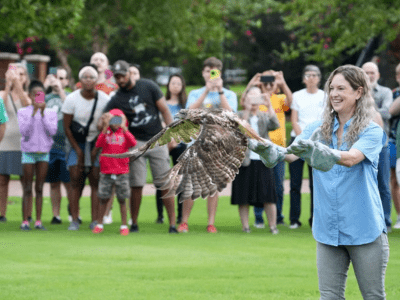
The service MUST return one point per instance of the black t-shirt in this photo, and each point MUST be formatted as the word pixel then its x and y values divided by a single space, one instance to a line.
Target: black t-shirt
pixel 139 106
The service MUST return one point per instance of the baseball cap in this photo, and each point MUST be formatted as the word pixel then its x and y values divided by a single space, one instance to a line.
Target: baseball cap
pixel 120 67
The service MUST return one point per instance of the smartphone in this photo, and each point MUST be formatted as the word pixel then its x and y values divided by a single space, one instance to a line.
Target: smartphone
pixel 257 100
pixel 215 73
pixel 267 78
pixel 39 97
pixel 116 120
pixel 53 70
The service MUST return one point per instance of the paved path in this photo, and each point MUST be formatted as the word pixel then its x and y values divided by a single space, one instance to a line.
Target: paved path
pixel 15 189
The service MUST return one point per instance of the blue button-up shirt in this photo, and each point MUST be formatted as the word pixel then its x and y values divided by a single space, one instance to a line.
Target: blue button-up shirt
pixel 347 204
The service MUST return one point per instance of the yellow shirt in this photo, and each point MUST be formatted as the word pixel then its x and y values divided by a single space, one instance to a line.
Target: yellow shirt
pixel 278 136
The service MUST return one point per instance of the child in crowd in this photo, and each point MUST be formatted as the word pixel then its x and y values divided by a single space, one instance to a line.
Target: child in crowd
pixel 37 125
pixel 114 139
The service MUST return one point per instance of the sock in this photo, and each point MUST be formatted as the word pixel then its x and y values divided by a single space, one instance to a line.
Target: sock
pixel 25 222
pixel 57 217
pixel 38 223
pixel 100 226
pixel 124 227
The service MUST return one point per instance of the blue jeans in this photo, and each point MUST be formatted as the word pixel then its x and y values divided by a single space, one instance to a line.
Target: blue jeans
pixel 279 174
pixel 296 180
pixel 383 183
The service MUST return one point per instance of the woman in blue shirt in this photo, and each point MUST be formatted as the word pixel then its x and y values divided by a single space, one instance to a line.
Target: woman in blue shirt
pixel 343 149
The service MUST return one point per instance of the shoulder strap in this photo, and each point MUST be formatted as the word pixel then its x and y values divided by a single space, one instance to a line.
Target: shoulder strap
pixel 92 113
pixel 12 101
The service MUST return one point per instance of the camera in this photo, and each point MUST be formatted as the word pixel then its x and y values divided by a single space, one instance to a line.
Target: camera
pixel 267 78
pixel 215 73
pixel 116 120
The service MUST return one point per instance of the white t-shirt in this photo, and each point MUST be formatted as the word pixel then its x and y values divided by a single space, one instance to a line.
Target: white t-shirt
pixel 81 109
pixel 309 107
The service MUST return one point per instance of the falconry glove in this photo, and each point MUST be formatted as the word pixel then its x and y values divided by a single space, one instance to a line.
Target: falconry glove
pixel 270 154
pixel 316 154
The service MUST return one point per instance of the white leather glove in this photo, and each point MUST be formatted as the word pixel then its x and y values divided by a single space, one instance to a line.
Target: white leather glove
pixel 270 154
pixel 316 154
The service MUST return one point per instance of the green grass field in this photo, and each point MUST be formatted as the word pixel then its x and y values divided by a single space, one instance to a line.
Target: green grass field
pixel 151 264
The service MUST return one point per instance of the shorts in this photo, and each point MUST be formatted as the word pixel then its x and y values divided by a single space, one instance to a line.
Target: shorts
pixel 34 157
pixel 159 165
pixel 392 154
pixel 57 167
pixel 11 163
pixel 72 158
pixel 121 183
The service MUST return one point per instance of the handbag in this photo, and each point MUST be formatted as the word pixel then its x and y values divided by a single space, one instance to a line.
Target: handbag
pixel 80 132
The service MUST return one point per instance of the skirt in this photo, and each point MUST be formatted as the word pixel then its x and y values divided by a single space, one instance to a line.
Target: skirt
pixel 11 163
pixel 254 185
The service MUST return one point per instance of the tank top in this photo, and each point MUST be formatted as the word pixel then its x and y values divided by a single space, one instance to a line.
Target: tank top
pixel 12 136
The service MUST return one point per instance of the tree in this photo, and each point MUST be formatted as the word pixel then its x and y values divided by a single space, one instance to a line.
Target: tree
pixel 24 18
pixel 327 30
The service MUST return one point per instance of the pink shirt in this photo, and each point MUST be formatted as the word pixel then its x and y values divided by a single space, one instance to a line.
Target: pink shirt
pixel 37 131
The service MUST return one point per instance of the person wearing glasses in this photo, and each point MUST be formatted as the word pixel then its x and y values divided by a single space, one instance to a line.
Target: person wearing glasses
pixel 307 107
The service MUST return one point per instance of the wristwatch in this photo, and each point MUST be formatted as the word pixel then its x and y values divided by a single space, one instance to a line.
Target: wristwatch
pixel 221 92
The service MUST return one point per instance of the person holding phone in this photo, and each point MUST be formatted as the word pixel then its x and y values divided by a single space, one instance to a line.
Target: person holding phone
pixel 37 125
pixel 255 184
pixel 114 139
pixel 15 96
pixel 212 95
pixel 57 170
pixel 273 83
pixel 307 107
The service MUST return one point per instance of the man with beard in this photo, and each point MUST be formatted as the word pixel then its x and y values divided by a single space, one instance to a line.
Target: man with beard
pixel 142 102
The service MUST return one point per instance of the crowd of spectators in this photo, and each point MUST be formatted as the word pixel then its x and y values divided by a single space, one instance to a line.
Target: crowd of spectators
pixel 58 138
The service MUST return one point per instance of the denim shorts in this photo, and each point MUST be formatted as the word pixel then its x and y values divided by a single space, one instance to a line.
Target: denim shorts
pixel 57 167
pixel 34 157
pixel 72 157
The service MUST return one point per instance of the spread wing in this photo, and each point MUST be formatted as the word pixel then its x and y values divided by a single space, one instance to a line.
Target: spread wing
pixel 208 165
pixel 181 131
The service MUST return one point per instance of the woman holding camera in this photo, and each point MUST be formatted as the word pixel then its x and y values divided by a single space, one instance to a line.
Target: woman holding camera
pixel 254 185
pixel 273 83
pixel 14 97
pixel 82 110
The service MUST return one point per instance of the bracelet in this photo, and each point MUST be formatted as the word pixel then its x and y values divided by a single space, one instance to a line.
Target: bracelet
pixel 221 92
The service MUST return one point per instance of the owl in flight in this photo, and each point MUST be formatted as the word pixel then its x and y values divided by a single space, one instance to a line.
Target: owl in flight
pixel 212 161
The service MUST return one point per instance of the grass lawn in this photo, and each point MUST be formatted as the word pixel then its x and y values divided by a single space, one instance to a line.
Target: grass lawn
pixel 58 264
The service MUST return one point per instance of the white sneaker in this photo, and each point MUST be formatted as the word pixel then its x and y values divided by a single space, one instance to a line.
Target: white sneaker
pixel 107 219
pixel 259 225
pixel 294 226
pixel 397 225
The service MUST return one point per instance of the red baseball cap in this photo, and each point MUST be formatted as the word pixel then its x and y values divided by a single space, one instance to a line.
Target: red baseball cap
pixel 116 112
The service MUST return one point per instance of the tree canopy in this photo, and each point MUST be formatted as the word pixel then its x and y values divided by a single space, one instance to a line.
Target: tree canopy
pixel 24 18
pixel 324 30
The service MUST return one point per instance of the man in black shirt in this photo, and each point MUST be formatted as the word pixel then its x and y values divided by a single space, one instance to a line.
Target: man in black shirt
pixel 142 101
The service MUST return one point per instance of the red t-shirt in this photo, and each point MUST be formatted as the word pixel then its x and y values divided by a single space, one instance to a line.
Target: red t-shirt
pixel 115 143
